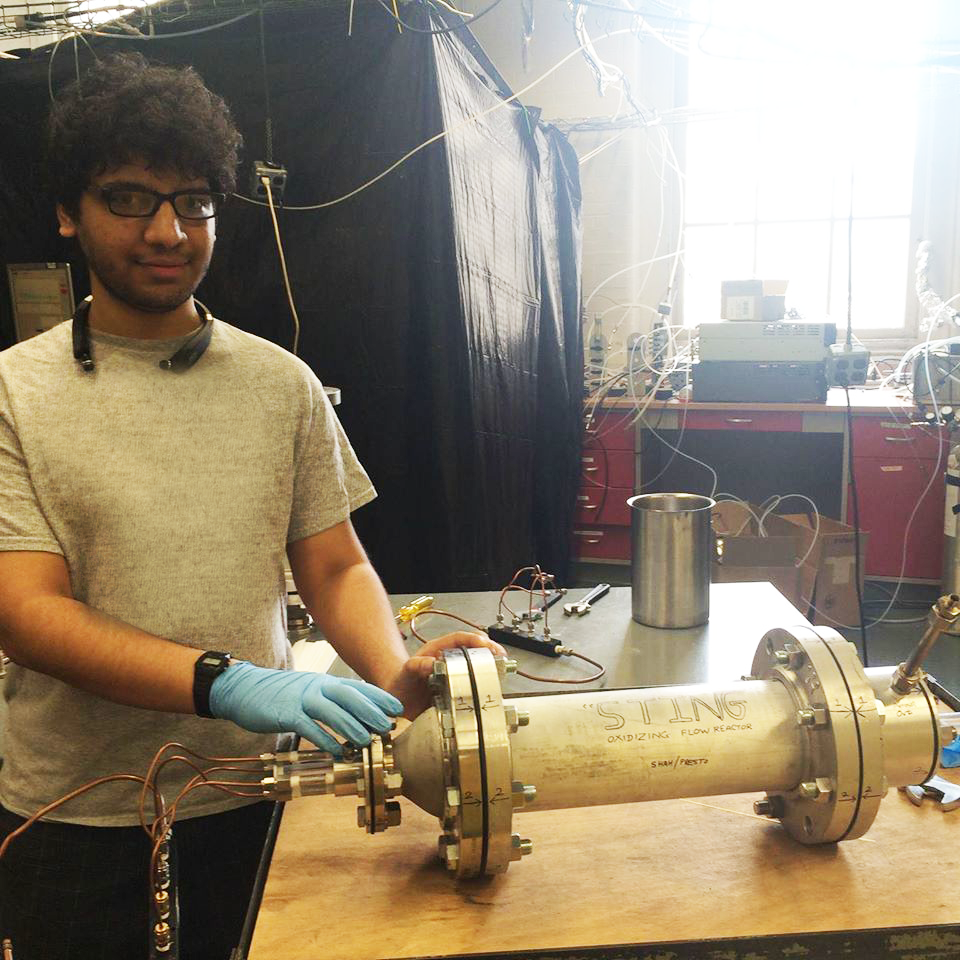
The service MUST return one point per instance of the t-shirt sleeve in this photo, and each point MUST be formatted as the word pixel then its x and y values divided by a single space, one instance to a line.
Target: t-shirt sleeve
pixel 23 525
pixel 329 482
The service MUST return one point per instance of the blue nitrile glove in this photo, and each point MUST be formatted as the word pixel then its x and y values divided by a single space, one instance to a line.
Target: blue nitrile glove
pixel 285 701
pixel 950 754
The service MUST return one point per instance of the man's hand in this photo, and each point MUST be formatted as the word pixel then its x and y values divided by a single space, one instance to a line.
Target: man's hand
pixel 289 701
pixel 410 684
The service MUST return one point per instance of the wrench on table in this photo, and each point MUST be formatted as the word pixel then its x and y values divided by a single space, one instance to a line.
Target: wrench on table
pixel 582 606
pixel 947 792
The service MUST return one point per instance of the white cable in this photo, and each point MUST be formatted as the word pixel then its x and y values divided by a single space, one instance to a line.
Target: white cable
pixel 170 36
pixel 283 265
pixel 603 146
pixel 686 456
pixel 746 506
pixel 816 514
pixel 632 266
pixel 499 105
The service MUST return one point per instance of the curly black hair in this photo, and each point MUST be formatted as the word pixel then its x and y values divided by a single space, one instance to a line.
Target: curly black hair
pixel 124 109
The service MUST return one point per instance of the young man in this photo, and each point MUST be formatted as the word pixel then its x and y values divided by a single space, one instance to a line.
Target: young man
pixel 155 467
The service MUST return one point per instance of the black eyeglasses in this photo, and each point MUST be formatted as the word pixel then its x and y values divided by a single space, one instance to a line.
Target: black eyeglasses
pixel 188 204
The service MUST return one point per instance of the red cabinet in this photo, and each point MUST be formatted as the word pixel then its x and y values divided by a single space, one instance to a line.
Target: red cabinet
pixel 894 461
pixel 896 470
pixel 890 436
pixel 602 520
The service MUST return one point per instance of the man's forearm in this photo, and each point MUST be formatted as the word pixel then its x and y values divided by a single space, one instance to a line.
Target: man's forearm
pixel 68 640
pixel 355 616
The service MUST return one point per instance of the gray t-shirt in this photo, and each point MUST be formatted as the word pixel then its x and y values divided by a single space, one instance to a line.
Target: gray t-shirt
pixel 172 497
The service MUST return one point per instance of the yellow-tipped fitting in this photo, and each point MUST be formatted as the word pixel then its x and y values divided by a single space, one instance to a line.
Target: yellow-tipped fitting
pixel 407 613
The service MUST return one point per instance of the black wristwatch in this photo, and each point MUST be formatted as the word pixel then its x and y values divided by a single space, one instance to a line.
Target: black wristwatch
pixel 208 667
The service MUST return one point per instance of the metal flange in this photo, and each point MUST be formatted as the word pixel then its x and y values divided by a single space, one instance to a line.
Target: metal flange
pixel 381 782
pixel 843 783
pixel 480 794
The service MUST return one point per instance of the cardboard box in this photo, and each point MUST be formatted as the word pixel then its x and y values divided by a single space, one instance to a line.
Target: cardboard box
pixel 744 556
pixel 828 580
pixel 822 588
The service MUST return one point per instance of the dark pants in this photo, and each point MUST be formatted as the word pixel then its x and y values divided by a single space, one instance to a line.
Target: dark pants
pixel 70 892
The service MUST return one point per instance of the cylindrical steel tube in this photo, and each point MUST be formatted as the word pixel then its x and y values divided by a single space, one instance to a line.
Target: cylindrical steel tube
pixel 621 746
pixel 672 545
pixel 911 743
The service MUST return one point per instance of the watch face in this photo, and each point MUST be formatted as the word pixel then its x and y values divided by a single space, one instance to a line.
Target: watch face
pixel 213 660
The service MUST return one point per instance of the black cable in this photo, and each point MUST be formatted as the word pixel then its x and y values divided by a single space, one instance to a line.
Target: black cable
pixel 856 528
pixel 465 25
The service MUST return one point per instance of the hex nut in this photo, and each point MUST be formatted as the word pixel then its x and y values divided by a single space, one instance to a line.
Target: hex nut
pixel 809 790
pixel 812 716
pixel 393 782
pixel 770 806
pixel 524 845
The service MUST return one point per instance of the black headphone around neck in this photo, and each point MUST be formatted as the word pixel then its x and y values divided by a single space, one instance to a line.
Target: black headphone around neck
pixel 183 359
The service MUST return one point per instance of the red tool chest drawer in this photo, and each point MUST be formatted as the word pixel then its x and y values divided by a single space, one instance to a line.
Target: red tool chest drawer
pixel 889 436
pixel 602 543
pixel 607 505
pixel 607 468
pixel 781 421
pixel 612 431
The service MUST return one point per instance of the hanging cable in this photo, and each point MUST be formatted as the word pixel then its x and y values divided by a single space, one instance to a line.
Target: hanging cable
pixel 283 265
pixel 499 105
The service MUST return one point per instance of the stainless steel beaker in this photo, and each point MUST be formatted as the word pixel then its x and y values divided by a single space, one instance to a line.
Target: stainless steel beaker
pixel 672 544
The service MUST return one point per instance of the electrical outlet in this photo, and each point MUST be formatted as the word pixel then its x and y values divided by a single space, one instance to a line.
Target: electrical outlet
pixel 847 366
pixel 277 175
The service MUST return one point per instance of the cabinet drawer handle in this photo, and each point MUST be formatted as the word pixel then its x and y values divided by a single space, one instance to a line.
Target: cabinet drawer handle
pixel 590 506
pixel 739 420
pixel 898 439
pixel 592 541
pixel 590 469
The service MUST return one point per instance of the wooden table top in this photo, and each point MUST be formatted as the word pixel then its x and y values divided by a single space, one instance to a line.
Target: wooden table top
pixel 643 873
pixel 626 874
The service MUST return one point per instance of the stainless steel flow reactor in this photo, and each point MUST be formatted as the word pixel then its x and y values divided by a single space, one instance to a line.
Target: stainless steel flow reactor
pixel 823 737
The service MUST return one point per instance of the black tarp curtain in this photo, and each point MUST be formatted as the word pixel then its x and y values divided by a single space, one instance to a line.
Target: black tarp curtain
pixel 444 300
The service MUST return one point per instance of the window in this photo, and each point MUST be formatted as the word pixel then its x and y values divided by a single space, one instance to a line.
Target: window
pixel 791 104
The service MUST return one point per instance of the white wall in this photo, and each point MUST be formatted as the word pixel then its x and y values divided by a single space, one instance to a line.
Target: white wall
pixel 623 197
